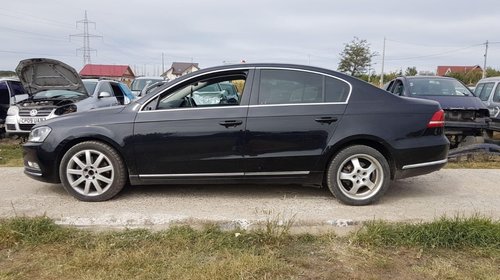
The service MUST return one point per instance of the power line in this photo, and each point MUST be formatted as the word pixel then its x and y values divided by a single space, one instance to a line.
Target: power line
pixel 86 49
pixel 435 54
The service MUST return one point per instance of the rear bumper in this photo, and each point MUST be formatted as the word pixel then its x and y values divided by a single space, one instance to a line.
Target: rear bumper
pixel 465 128
pixel 422 168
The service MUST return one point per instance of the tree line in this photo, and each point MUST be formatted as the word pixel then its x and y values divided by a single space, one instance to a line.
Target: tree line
pixel 356 60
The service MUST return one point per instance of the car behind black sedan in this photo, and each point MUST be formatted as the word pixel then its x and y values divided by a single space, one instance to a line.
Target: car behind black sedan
pixel 290 124
pixel 465 115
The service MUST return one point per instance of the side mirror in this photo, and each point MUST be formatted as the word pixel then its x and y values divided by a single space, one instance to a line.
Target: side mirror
pixel 104 94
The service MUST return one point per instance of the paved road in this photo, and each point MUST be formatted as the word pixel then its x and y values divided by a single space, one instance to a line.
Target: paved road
pixel 449 192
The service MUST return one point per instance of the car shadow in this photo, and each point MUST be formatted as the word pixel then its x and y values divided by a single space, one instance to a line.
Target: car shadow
pixel 225 191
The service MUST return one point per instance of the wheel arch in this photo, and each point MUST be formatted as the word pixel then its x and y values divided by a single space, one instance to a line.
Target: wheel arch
pixel 367 140
pixel 70 142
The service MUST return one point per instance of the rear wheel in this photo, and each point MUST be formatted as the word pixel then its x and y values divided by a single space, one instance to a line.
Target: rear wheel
pixel 92 171
pixel 358 175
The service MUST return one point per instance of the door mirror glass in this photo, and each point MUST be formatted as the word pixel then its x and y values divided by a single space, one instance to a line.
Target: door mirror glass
pixel 104 94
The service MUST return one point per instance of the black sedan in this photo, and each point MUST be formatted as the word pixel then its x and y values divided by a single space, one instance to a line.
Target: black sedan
pixel 291 124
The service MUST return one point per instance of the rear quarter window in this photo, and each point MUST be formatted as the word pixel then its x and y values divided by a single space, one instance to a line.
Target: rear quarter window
pixel 336 90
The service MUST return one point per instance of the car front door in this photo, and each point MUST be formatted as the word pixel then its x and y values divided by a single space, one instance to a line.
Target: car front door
pixel 291 120
pixel 111 100
pixel 189 131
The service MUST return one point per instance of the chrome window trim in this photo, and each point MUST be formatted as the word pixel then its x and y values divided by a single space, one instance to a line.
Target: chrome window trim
pixel 424 164
pixel 314 72
pixel 276 173
pixel 251 106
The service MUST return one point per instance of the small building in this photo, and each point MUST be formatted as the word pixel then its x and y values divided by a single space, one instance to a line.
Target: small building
pixel 122 73
pixel 447 70
pixel 180 68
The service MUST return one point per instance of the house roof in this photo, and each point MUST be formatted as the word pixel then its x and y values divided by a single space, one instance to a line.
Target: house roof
pixel 178 68
pixel 443 70
pixel 101 70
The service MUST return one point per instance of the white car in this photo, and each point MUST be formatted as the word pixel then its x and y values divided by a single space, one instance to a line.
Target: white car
pixel 141 83
pixel 54 89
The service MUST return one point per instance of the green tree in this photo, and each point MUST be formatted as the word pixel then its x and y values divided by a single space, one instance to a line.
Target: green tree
pixel 356 57
pixel 411 71
pixel 491 72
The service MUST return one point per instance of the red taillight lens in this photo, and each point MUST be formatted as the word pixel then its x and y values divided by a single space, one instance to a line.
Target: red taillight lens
pixel 437 120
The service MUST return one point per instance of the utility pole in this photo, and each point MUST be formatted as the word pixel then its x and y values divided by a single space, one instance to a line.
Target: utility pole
pixel 162 63
pixel 382 71
pixel 485 58
pixel 86 49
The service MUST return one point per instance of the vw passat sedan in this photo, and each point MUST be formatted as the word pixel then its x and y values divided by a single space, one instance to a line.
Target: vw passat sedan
pixel 290 124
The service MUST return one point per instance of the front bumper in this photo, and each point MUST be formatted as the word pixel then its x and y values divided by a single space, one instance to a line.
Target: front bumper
pixel 12 127
pixel 39 163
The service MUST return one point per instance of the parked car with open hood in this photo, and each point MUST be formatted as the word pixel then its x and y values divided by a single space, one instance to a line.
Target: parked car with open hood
pixel 11 92
pixel 488 90
pixel 291 124
pixel 465 114
pixel 55 89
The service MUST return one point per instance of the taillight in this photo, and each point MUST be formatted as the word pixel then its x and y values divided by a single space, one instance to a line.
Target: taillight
pixel 437 120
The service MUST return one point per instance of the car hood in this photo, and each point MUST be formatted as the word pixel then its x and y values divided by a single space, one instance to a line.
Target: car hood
pixel 40 74
pixel 457 102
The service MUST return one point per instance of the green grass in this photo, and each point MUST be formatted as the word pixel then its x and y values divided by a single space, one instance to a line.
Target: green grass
pixel 451 233
pixel 11 154
pixel 36 248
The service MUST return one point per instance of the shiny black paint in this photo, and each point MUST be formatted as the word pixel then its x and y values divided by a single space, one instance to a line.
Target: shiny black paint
pixel 269 138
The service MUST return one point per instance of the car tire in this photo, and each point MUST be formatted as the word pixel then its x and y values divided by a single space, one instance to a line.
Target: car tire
pixel 92 171
pixel 358 175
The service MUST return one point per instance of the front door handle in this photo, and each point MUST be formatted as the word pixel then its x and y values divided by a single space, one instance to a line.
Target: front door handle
pixel 327 120
pixel 230 123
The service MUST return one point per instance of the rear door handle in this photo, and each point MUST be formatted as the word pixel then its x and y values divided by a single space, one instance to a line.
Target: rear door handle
pixel 327 120
pixel 230 123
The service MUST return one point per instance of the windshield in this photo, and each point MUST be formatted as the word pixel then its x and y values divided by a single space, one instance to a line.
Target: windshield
pixel 438 87
pixel 58 94
pixel 90 86
pixel 139 84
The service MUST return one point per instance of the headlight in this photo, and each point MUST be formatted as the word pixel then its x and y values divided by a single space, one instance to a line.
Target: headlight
pixel 13 111
pixel 39 134
pixel 66 109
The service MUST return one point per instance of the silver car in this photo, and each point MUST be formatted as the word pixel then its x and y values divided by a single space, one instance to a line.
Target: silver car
pixel 54 89
pixel 488 90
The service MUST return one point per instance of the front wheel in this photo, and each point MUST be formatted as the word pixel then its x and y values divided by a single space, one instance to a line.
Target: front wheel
pixel 92 171
pixel 358 175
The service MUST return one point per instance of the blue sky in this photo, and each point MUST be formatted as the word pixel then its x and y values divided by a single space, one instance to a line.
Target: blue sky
pixel 419 33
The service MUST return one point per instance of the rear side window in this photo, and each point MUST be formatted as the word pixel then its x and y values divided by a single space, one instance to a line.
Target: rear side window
pixel 483 91
pixel 336 90
pixel 286 86
pixel 17 88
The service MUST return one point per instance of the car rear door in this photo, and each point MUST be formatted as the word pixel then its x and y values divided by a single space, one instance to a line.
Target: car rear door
pixel 197 141
pixel 291 119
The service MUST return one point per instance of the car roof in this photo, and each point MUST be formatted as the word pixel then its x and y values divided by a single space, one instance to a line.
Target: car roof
pixel 12 79
pixel 149 78
pixel 490 79
pixel 429 77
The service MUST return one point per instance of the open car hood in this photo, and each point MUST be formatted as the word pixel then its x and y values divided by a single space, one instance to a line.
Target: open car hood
pixel 40 74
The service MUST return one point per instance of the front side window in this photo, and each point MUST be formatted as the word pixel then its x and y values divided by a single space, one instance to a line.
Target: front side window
pixel 483 91
pixel 4 93
pixel 287 86
pixel 496 97
pixel 212 92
